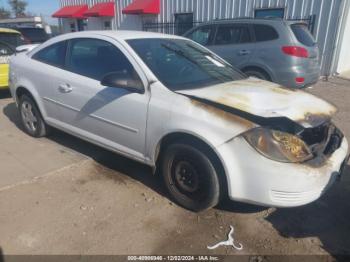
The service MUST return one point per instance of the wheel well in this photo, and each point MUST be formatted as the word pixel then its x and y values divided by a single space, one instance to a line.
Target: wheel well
pixel 23 91
pixel 258 69
pixel 199 144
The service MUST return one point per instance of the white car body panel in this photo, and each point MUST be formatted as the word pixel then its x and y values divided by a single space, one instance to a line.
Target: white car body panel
pixel 134 124
pixel 267 99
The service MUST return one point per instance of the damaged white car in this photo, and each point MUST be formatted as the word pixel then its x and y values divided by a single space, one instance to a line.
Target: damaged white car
pixel 172 104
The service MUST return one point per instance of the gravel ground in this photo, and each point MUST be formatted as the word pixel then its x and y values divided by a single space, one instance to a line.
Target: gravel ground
pixel 102 203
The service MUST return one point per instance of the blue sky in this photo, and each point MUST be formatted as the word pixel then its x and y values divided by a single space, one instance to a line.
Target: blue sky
pixel 44 7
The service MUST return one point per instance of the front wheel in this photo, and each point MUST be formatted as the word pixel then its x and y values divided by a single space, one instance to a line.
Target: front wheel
pixel 31 118
pixel 190 177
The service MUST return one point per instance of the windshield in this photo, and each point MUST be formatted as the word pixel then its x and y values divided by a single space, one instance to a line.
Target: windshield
pixel 12 39
pixel 181 64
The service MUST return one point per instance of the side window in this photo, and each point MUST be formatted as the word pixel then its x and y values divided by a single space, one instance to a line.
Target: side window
pixel 202 35
pixel 232 34
pixel 264 33
pixel 5 53
pixel 96 58
pixel 53 55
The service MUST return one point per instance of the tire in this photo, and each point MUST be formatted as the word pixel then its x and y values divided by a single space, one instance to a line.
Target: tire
pixel 258 74
pixel 190 177
pixel 31 118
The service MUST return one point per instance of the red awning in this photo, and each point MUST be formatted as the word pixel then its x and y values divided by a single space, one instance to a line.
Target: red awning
pixel 140 7
pixel 76 11
pixel 101 9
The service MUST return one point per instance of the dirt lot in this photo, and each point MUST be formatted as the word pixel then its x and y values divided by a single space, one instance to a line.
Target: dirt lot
pixel 64 196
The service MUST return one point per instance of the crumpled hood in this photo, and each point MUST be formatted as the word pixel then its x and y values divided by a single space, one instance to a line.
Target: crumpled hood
pixel 268 100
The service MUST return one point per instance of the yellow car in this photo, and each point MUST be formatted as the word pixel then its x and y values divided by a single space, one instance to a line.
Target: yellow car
pixel 9 40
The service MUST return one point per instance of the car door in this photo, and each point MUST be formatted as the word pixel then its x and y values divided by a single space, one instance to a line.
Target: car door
pixel 233 42
pixel 45 71
pixel 113 117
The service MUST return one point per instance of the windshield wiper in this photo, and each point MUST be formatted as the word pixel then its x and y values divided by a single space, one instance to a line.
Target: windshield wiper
pixel 215 58
pixel 181 53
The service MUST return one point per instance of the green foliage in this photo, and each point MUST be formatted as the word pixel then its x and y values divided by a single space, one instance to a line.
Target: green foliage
pixel 18 7
pixel 4 13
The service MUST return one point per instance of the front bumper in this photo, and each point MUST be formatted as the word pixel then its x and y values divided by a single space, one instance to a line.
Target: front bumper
pixel 253 178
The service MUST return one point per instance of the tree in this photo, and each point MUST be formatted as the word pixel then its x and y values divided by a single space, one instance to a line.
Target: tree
pixel 18 7
pixel 4 13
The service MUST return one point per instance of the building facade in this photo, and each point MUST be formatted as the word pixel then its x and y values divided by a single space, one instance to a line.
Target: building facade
pixel 329 19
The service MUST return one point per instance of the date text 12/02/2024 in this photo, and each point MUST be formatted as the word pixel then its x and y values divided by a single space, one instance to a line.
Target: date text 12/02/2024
pixel 173 258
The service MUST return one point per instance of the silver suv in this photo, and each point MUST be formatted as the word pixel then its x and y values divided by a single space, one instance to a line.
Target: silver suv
pixel 281 51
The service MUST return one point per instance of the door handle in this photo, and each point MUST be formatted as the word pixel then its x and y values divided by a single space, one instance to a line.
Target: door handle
pixel 244 52
pixel 65 88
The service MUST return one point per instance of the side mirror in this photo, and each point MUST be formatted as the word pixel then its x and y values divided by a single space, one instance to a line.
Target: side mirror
pixel 123 80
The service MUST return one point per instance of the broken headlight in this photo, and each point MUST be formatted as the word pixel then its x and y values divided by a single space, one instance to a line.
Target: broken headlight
pixel 278 146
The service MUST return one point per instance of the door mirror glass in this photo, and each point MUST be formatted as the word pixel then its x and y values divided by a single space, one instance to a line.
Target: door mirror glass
pixel 123 80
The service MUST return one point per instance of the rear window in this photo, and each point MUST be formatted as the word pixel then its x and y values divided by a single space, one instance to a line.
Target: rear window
pixel 303 34
pixel 265 33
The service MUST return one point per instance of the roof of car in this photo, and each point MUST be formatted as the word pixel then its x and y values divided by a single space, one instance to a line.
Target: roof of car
pixel 120 34
pixel 268 20
pixel 8 30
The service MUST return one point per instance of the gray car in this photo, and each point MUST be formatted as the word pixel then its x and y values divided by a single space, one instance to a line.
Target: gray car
pixel 277 50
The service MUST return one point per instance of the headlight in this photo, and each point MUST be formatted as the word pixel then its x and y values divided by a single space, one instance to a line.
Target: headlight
pixel 278 146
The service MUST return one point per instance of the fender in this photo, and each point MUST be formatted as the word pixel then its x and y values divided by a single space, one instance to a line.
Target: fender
pixel 26 84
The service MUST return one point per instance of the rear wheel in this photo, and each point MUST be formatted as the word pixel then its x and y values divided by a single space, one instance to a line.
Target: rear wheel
pixel 190 177
pixel 31 118
pixel 258 74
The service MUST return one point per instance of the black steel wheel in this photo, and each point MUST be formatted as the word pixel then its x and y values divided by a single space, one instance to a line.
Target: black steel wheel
pixel 190 177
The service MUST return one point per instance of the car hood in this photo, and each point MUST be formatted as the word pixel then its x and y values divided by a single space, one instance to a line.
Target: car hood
pixel 268 100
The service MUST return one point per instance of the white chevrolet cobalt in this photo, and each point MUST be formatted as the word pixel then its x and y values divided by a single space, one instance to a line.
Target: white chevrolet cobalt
pixel 174 105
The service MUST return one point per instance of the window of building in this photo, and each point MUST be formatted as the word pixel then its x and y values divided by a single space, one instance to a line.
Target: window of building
pixel 107 25
pixel 269 12
pixel 96 58
pixel 81 24
pixel 264 33
pixel 72 27
pixel 202 35
pixel 232 34
pixel 183 23
pixel 53 55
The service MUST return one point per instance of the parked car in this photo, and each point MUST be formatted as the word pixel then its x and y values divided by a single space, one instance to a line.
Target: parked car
pixel 33 35
pixel 9 40
pixel 172 104
pixel 281 51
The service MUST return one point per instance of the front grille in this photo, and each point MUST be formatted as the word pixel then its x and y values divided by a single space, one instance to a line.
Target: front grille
pixel 294 197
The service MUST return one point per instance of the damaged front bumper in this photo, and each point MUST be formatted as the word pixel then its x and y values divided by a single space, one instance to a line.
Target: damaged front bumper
pixel 253 178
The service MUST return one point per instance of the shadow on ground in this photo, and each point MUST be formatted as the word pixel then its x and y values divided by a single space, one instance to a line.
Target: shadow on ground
pixel 327 219
pixel 132 169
